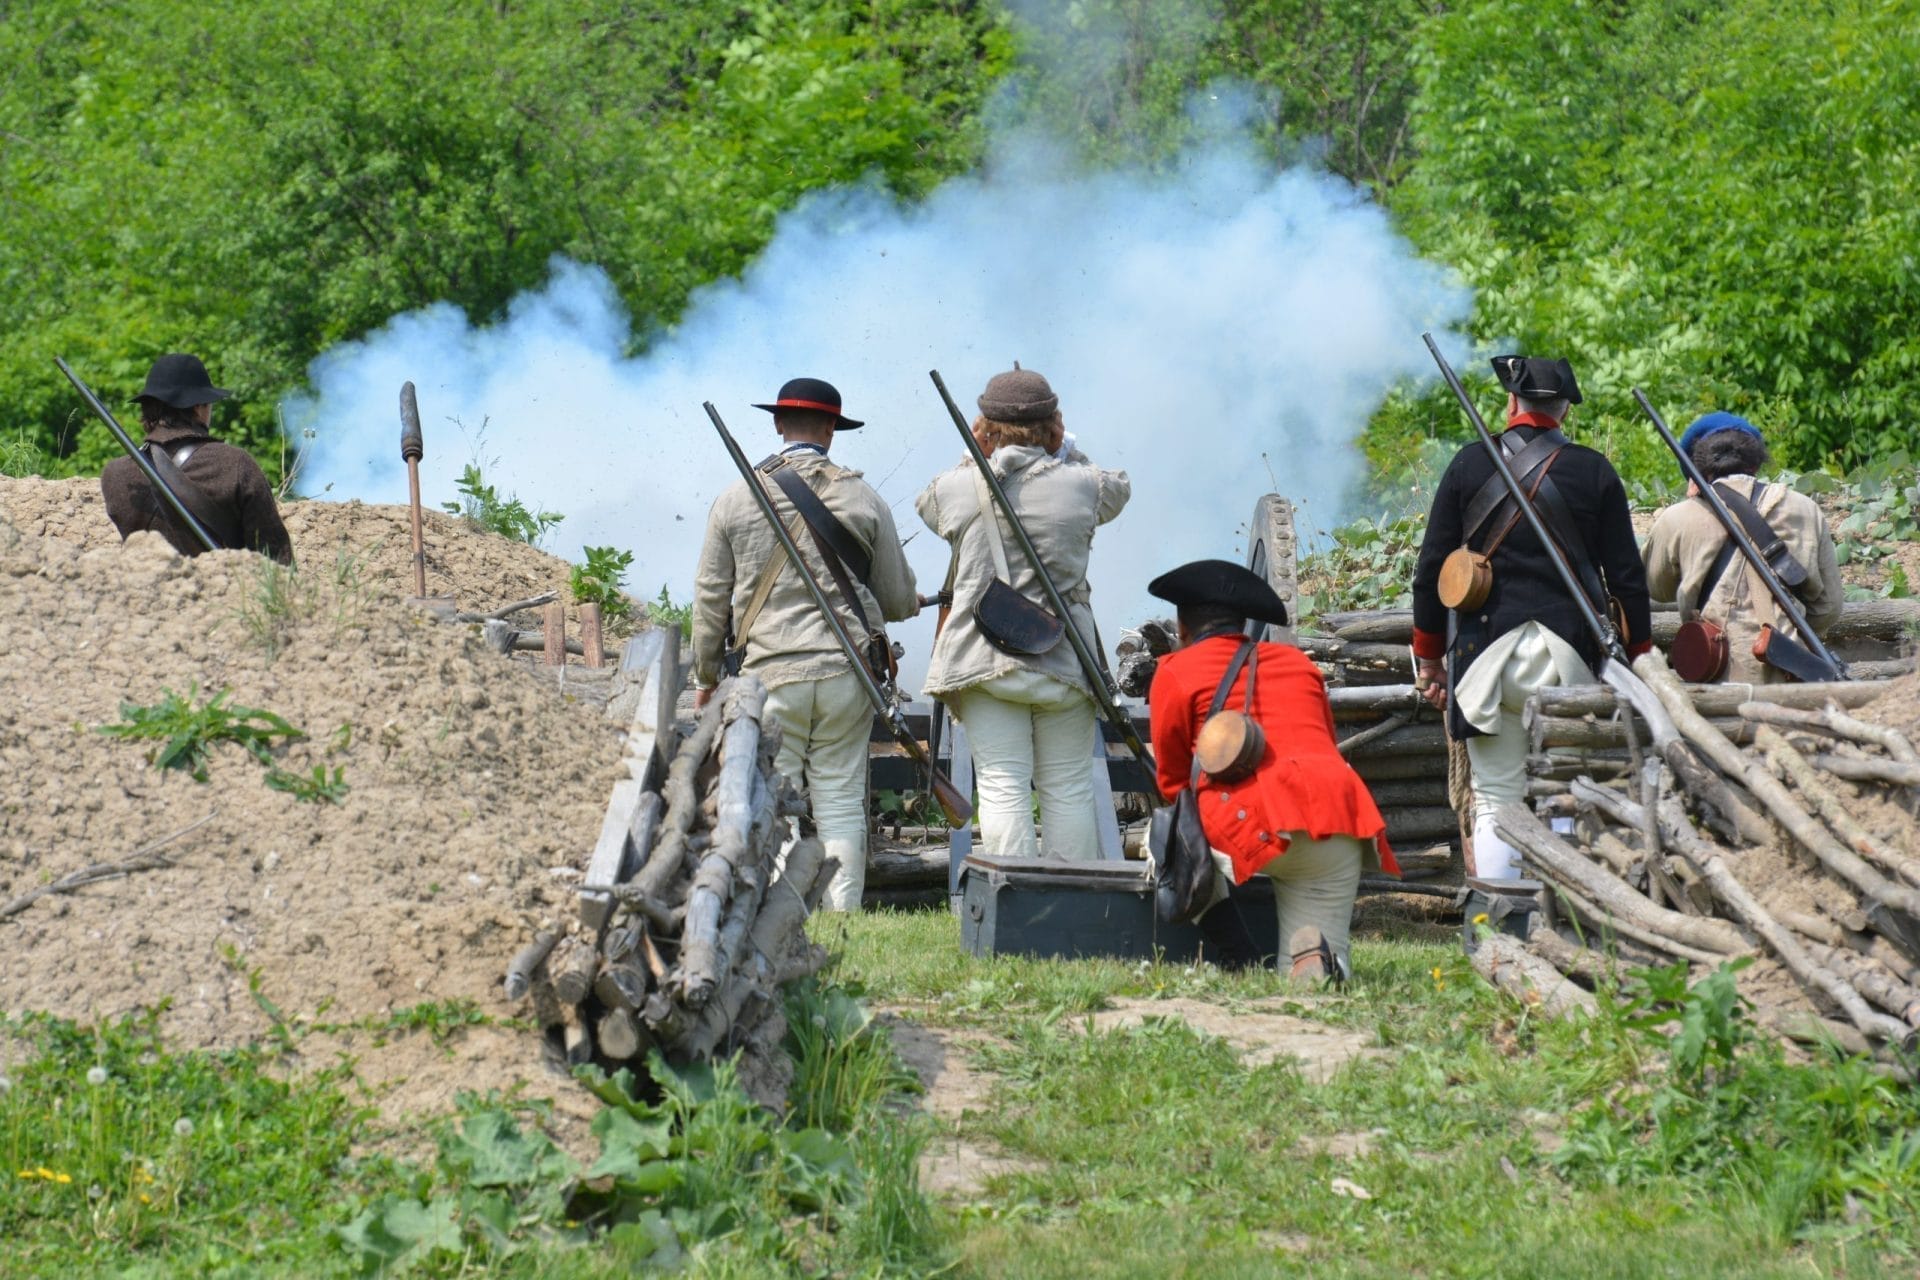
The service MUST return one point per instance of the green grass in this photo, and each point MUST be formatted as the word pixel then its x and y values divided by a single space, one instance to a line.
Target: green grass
pixel 1155 1151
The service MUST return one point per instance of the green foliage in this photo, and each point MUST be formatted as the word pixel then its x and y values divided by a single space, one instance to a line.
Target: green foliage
pixel 601 579
pixel 481 504
pixel 187 733
pixel 20 455
pixel 257 183
pixel 214 1160
pixel 319 787
pixel 285 598
pixel 1367 564
pixel 1715 206
pixel 665 613
pixel 1721 1106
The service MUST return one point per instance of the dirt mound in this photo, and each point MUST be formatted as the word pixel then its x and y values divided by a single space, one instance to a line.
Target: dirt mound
pixel 481 571
pixel 474 791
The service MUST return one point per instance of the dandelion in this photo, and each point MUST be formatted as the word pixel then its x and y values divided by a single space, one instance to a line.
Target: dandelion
pixel 61 1178
pixel 183 1128
pixel 145 1198
pixel 1481 918
pixel 96 1075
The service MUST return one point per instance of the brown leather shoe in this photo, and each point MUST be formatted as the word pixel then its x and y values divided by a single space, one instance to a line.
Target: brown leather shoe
pixel 1312 956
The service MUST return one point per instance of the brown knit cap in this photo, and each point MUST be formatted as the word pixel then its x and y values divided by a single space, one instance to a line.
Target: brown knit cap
pixel 1019 395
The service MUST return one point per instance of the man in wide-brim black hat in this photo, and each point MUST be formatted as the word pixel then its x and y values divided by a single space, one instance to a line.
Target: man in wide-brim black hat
pixel 1528 632
pixel 752 612
pixel 221 485
pixel 1302 816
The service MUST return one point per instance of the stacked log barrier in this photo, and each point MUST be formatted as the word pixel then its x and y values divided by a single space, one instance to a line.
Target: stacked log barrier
pixel 690 920
pixel 1821 879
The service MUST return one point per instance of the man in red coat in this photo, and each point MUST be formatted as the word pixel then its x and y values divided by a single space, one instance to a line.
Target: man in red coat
pixel 1302 816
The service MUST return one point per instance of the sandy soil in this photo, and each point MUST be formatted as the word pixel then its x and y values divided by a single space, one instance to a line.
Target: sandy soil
pixel 474 790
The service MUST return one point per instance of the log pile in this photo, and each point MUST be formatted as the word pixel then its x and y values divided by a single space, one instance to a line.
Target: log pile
pixel 1776 823
pixel 685 945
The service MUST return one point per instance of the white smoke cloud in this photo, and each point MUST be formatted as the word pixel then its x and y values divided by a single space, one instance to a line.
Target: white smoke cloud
pixel 1190 321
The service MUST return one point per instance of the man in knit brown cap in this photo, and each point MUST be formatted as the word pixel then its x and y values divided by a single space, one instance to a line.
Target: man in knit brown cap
pixel 745 591
pixel 1029 715
pixel 221 485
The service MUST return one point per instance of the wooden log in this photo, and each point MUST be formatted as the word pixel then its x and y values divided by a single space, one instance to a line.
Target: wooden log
pixel 554 634
pixel 1804 1027
pixel 527 960
pixel 499 636
pixel 1377 732
pixel 1389 768
pixel 592 639
pixel 1380 657
pixel 701 965
pixel 619 1035
pixel 1505 963
pixel 536 642
pixel 1629 864
pixel 1831 719
pixel 682 807
pixel 1369 702
pixel 576 1037
pixel 1814 837
pixel 621 984
pixel 1415 826
pixel 1409 793
pixel 1410 739
pixel 1707 788
pixel 506 610
pixel 1884 620
pixel 1854 769
pixel 1746 908
pixel 1583 964
pixel 607 865
pixel 1587 735
pixel 1711 700
pixel 1878 986
pixel 776 938
pixel 1549 852
pixel 1621 934
pixel 571 967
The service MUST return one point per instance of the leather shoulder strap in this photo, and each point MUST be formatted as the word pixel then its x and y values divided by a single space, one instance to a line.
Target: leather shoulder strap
pixel 1560 525
pixel 825 525
pixel 1524 460
pixel 1241 658
pixel 192 496
pixel 1773 548
pixel 762 590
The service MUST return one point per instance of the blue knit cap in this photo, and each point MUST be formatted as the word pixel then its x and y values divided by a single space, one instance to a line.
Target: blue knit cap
pixel 1709 423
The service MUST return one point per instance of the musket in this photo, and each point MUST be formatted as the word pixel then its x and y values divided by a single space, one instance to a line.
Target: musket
pixel 956 807
pixel 140 459
pixel 1098 678
pixel 1610 642
pixel 412 448
pixel 1835 669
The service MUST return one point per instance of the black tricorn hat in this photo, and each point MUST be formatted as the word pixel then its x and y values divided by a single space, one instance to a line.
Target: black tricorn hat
pixel 181 382
pixel 814 395
pixel 1537 378
pixel 1224 584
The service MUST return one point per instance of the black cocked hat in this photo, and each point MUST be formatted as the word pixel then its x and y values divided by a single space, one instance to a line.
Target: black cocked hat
pixel 1222 584
pixel 1537 378
pixel 180 382
pixel 814 395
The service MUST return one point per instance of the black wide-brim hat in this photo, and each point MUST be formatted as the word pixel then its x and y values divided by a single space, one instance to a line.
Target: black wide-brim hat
pixel 1537 378
pixel 815 395
pixel 1223 584
pixel 180 382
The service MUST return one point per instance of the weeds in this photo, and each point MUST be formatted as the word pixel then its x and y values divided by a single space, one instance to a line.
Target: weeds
pixel 285 598
pixel 1367 564
pixel 481 505
pixel 318 787
pixel 665 613
pixel 21 455
pixel 187 733
pixel 600 581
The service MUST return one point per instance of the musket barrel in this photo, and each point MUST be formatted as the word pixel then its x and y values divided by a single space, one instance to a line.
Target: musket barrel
pixel 1776 588
pixel 1610 643
pixel 1097 677
pixel 139 459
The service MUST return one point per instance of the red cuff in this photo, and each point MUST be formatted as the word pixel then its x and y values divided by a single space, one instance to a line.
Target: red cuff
pixel 1427 644
pixel 1635 650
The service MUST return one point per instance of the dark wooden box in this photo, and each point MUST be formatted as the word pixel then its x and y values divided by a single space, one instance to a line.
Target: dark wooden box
pixel 1067 909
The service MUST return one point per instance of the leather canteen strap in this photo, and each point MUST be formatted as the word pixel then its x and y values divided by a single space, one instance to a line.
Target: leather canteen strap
pixel 1523 460
pixel 1714 573
pixel 762 589
pixel 1240 659
pixel 1559 521
pixel 1772 547
pixel 825 525
pixel 791 484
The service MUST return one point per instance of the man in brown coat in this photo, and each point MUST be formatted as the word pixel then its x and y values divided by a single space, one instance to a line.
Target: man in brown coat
pixel 221 485
pixel 1689 556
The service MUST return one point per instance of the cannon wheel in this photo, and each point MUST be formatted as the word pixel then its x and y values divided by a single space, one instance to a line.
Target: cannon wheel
pixel 1270 553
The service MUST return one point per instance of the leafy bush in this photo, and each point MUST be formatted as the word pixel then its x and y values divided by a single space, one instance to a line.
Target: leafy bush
pixel 1367 564
pixel 187 733
pixel 601 581
pixel 481 504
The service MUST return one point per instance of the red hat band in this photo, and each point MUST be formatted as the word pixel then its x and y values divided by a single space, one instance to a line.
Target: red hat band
pixel 833 409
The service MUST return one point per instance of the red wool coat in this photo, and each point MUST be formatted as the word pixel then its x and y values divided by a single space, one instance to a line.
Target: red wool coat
pixel 1302 783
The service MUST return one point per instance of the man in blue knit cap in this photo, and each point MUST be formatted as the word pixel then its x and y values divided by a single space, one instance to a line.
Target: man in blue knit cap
pixel 1690 557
